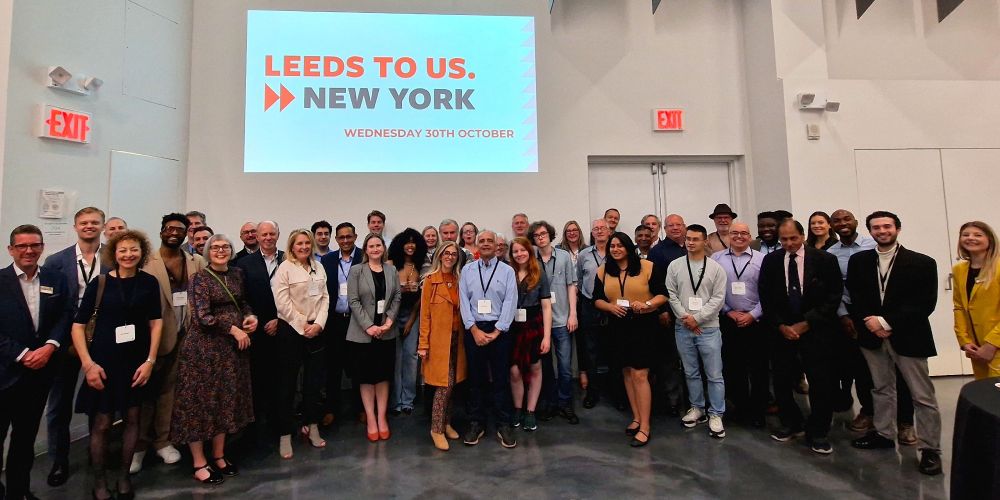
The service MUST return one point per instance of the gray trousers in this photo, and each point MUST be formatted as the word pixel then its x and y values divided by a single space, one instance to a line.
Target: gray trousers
pixel 883 362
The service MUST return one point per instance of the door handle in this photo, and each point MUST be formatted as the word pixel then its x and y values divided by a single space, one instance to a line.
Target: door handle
pixel 947 286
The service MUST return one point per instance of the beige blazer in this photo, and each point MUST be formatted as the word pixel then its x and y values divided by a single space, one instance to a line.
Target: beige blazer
pixel 296 306
pixel 156 267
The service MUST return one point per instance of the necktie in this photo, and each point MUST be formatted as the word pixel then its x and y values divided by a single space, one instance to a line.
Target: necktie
pixel 794 285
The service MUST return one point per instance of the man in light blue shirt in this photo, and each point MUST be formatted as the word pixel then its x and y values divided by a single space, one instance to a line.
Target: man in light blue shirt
pixel 337 265
pixel 487 295
pixel 559 268
pixel 744 338
pixel 588 339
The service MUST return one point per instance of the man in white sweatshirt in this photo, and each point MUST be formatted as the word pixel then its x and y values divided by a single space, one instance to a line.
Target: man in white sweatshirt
pixel 697 287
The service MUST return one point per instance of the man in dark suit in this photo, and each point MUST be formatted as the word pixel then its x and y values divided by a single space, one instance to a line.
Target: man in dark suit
pixel 248 235
pixel 258 270
pixel 35 308
pixel 893 292
pixel 800 289
pixel 78 264
pixel 337 266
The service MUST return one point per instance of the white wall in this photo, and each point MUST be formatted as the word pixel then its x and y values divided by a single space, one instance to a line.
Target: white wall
pixel 140 48
pixel 603 65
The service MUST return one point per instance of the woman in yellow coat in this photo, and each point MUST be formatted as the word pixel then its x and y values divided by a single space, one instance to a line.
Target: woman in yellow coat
pixel 440 344
pixel 976 297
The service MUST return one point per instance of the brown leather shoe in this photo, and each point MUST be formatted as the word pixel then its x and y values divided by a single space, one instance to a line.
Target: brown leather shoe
pixel 861 423
pixel 907 435
pixel 328 419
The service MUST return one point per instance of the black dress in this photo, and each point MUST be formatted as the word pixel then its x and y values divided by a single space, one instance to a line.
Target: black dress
pixel 134 301
pixel 375 361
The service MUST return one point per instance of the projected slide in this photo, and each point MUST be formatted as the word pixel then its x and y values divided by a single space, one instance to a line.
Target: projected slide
pixel 358 92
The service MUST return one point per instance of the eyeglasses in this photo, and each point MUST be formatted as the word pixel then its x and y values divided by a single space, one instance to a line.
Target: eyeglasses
pixel 174 230
pixel 450 254
pixel 739 233
pixel 541 233
pixel 249 231
pixel 345 238
pixel 21 247
pixel 220 248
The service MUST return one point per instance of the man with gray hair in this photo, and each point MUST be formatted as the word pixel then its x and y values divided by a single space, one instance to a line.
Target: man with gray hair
pixel 195 219
pixel 448 231
pixel 248 235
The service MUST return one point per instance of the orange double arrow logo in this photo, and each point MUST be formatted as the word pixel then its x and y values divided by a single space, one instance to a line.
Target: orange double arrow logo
pixel 270 97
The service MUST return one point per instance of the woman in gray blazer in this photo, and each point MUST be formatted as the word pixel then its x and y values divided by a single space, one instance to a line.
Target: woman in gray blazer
pixel 373 295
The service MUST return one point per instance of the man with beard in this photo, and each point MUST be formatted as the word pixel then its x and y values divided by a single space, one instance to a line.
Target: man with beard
pixel 200 237
pixel 890 309
pixel 722 216
pixel 79 264
pixel 767 233
pixel 172 267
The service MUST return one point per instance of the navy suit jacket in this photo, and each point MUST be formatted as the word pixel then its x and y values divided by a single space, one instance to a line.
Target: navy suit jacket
pixel 17 331
pixel 331 264
pixel 64 262
pixel 258 286
pixel 821 293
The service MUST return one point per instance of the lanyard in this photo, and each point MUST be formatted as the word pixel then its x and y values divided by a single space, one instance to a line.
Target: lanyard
pixel 732 260
pixel 224 287
pixel 486 286
pixel 553 259
pixel 724 245
pixel 691 274
pixel 87 276
pixel 621 282
pixel 593 253
pixel 883 278
pixel 340 264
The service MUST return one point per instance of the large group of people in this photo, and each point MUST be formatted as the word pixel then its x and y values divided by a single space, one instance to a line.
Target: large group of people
pixel 194 341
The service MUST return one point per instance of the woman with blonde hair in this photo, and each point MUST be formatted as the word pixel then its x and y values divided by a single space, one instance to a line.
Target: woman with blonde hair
pixel 532 331
pixel 572 240
pixel 976 298
pixel 440 344
pixel 302 300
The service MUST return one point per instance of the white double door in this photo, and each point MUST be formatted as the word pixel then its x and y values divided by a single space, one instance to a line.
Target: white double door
pixel 686 187
pixel 934 191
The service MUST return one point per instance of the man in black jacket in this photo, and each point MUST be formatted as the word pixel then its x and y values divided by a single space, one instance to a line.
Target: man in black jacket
pixel 893 292
pixel 800 288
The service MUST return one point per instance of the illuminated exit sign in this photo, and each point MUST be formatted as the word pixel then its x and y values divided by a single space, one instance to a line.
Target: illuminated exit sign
pixel 64 125
pixel 668 120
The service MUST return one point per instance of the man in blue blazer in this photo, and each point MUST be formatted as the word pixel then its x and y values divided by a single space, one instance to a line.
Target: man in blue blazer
pixel 337 266
pixel 35 308
pixel 79 264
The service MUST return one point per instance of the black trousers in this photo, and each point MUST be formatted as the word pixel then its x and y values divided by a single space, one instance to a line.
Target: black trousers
pixel 812 351
pixel 489 377
pixel 66 374
pixel 263 360
pixel 335 338
pixel 297 353
pixel 21 408
pixel 745 356
pixel 668 374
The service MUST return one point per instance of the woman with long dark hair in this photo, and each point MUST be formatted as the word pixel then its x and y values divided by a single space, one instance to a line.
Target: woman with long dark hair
pixel 407 253
pixel 630 294
pixel 821 233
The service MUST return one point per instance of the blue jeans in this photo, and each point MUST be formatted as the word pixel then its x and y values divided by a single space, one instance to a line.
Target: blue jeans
pixel 562 347
pixel 707 347
pixel 404 387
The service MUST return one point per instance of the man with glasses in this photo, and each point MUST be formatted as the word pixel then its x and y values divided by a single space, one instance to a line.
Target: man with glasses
pixel 79 264
pixel 172 268
pixel 248 235
pixel 337 266
pixel 557 392
pixel 35 309
pixel 588 339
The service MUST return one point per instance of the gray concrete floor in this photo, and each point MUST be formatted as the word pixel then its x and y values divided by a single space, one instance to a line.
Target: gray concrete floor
pixel 590 460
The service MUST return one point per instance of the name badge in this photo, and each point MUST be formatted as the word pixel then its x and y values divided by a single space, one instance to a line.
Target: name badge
pixel 45 289
pixel 180 299
pixel 313 287
pixel 484 306
pixel 125 334
pixel 622 303
pixel 694 303
pixel 380 306
pixel 342 291
pixel 739 288
pixel 522 316
pixel 553 298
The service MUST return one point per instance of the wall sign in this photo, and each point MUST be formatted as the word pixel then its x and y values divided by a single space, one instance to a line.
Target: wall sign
pixel 668 120
pixel 64 125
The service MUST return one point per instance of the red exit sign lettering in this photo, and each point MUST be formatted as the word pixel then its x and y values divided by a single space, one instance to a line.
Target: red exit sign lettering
pixel 668 120
pixel 64 125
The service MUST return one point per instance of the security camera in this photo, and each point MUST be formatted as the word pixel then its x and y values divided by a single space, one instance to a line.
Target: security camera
pixel 806 99
pixel 92 83
pixel 59 75
pixel 832 106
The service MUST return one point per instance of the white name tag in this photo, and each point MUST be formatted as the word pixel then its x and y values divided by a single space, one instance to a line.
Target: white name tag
pixel 313 287
pixel 180 299
pixel 342 290
pixel 124 334
pixel 484 306
pixel 553 298
pixel 739 288
pixel 45 289
pixel 622 302
pixel 522 316
pixel 380 306
pixel 694 303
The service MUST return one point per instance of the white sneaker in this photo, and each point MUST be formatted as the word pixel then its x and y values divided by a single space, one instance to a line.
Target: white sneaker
pixel 137 459
pixel 693 417
pixel 715 428
pixel 169 454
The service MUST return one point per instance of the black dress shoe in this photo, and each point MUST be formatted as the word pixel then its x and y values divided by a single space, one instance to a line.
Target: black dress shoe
pixel 214 477
pixel 636 443
pixel 757 421
pixel 873 441
pixel 59 474
pixel 229 470
pixel 930 463
pixel 590 399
